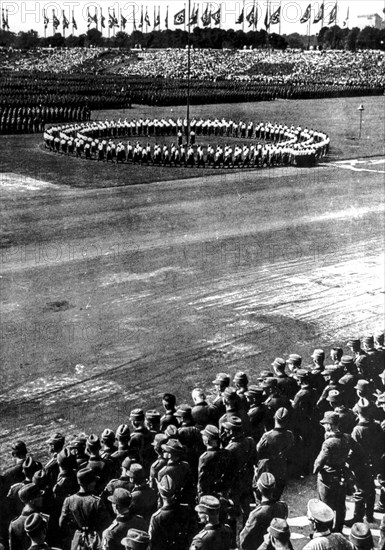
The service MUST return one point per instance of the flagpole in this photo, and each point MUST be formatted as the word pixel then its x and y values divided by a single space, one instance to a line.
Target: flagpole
pixel 256 16
pixel 308 34
pixel 45 26
pixel 133 18
pixel 188 76
pixel 280 18
pixel 243 20
pixel 335 25
pixel 53 22
pixel 64 30
pixel 108 24
pixel 323 14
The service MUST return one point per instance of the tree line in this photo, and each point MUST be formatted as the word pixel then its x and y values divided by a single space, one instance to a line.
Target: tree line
pixel 328 38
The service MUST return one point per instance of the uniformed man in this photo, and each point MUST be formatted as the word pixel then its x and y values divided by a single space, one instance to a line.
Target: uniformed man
pixel 258 413
pixel 365 461
pixel 190 436
pixel 251 537
pixel 361 537
pixel 32 498
pixel 144 499
pixel 303 422
pixel 108 439
pixel 221 382
pixel 152 422
pixel 172 525
pixel 169 405
pixel 160 462
pixel 179 471
pixel 56 444
pixel 15 506
pixel 274 399
pixel 214 535
pixel 125 519
pixel 321 518
pixel 141 439
pixel 330 467
pixel 136 539
pixel 278 536
pixel 104 467
pixel 14 474
pixel 274 450
pixel 201 412
pixel 348 419
pixel 123 438
pixel 240 383
pixel 214 467
pixel 231 401
pixel 287 385
pixel 349 380
pixel 36 528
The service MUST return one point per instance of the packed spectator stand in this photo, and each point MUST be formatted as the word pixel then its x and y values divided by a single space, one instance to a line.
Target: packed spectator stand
pixel 227 456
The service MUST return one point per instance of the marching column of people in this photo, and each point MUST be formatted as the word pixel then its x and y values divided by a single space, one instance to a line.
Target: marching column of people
pixel 212 474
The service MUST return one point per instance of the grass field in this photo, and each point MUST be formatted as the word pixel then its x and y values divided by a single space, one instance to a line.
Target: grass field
pixel 113 293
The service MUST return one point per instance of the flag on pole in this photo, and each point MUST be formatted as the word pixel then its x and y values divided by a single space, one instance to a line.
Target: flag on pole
pixel 275 17
pixel 194 15
pixel 116 22
pixel 5 19
pixel 140 25
pixel 45 20
pixel 55 21
pixel 147 19
pixel 66 23
pixel 123 21
pixel 217 16
pixel 346 22
pixel 166 19
pixel 206 17
pixel 89 18
pixel 157 18
pixel 267 16
pixel 74 25
pixel 180 17
pixel 320 14
pixel 241 17
pixel 333 14
pixel 250 17
pixel 306 15
pixel 102 19
pixel 95 17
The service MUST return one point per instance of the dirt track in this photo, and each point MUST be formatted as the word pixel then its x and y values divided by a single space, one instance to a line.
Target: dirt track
pixel 117 295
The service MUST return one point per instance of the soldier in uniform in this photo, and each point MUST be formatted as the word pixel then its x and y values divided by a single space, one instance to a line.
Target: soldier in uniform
pixel 171 526
pixel 144 499
pixel 152 422
pixel 286 384
pixel 56 444
pixel 221 382
pixel 321 518
pixel 123 438
pixel 303 422
pixel 214 535
pixel 125 519
pixel 83 513
pixel 214 467
pixel 141 439
pixel 348 419
pixel 240 383
pixel 36 528
pixel 108 443
pixel 160 462
pixel 361 537
pixel 201 412
pixel 251 536
pixel 330 467
pixel 14 474
pixel 274 399
pixel 32 498
pixel 258 413
pixel 136 539
pixel 279 536
pixel 169 404
pixel 179 471
pixel 349 380
pixel 365 461
pixel 274 450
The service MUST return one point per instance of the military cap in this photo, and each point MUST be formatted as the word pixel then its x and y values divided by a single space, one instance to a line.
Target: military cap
pixel 171 431
pixel 241 377
pixel 361 536
pixel 136 539
pixel 319 511
pixel 354 343
pixel 34 523
pixel 233 423
pixel 136 471
pixel 270 382
pixel 330 417
pixel 362 385
pixel 137 414
pixel 79 440
pixel 294 359
pixel 211 431
pixel 368 341
pixel 346 361
pixel 230 393
pixel 123 431
pixel 363 406
pixel 254 391
pixel 279 529
pixel 222 378
pixel 173 445
pixel 265 374
pixel 318 353
pixel 266 481
pixel 40 479
pixel 93 442
pixel 166 486
pixel 19 447
pixel 279 363
pixel 108 435
pixel 153 415
pixel 29 492
pixel 86 476
pixel 329 370
pixel 65 459
pixel 121 497
pixel 282 414
pixel 183 411
pixel 334 396
pixel 57 438
pixel 159 439
pixel 208 503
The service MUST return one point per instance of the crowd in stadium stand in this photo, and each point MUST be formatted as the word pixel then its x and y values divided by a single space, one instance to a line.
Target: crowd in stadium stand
pixel 211 474
pixel 281 145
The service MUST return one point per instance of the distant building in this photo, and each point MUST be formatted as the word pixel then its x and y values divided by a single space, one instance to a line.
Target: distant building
pixel 371 20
